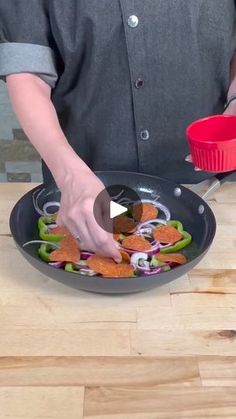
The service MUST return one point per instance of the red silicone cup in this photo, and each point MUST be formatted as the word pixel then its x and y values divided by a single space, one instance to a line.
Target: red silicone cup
pixel 212 142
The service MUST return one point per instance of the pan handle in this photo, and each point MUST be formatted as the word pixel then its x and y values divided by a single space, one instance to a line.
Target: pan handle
pixel 209 186
pixel 226 177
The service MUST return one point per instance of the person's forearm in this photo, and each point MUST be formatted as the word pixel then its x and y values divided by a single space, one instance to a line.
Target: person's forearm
pixel 230 108
pixel 31 101
pixel 232 87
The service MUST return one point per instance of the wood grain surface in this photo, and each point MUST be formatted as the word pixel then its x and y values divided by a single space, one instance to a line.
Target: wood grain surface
pixel 166 353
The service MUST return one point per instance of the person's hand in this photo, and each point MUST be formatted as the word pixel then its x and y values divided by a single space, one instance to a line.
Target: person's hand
pixel 188 159
pixel 231 109
pixel 78 193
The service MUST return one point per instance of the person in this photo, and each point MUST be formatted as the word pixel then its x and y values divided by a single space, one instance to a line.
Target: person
pixel 112 85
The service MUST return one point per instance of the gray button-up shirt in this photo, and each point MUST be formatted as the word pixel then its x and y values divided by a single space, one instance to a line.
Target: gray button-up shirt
pixel 128 76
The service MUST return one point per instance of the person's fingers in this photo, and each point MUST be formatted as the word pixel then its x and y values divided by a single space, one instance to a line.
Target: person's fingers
pixel 79 219
pixel 80 232
pixel 188 158
pixel 103 241
pixel 106 246
pixel 60 219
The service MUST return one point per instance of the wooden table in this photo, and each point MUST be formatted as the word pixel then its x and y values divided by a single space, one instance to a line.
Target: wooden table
pixel 167 353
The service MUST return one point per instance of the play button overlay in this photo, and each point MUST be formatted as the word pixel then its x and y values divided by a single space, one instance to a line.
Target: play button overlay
pixel 113 209
pixel 116 209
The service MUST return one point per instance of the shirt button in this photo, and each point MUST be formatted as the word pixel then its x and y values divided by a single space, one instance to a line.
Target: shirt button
pixel 133 21
pixel 144 135
pixel 139 83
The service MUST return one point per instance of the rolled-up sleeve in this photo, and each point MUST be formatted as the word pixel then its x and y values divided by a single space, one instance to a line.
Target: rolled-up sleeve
pixel 26 42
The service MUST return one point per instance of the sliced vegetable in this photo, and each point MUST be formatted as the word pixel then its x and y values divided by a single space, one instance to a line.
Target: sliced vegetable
pixel 140 261
pixel 85 255
pixel 70 267
pixel 156 270
pixel 43 225
pixel 185 241
pixel 57 265
pixel 151 225
pixel 45 250
pixel 36 196
pixel 155 262
pixel 51 204
pixel 55 245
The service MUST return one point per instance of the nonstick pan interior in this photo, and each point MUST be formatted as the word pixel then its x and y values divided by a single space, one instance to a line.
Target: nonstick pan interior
pixel 184 205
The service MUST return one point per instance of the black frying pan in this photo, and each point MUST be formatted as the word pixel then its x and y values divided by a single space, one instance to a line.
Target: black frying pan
pixel 185 206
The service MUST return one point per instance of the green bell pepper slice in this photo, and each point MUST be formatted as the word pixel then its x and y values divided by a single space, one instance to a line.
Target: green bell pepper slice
pixel 69 267
pixel 185 241
pixel 43 223
pixel 156 263
pixel 45 250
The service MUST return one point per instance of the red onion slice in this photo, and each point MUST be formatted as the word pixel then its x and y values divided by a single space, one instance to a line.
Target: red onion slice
pixel 55 244
pixel 158 269
pixel 150 224
pixel 150 252
pixel 165 246
pixel 57 265
pixel 85 255
pixel 49 205
pixel 115 197
pixel 139 260
pixel 81 264
pixel 153 271
pixel 155 249
pixel 36 195
pixel 52 226
pixel 88 272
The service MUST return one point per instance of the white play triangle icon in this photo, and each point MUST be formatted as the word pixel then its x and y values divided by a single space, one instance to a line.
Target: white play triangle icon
pixel 116 209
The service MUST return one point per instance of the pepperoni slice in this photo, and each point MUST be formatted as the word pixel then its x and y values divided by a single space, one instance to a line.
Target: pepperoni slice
pixel 100 264
pixel 171 257
pixel 123 270
pixel 167 234
pixel 125 256
pixel 108 268
pixel 148 212
pixel 123 224
pixel 68 252
pixel 140 244
pixel 60 231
